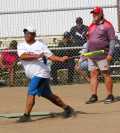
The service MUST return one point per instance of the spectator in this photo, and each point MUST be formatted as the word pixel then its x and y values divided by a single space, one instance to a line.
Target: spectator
pixel 66 42
pixel 82 65
pixel 8 59
pixel 101 36
pixel 54 40
pixel 117 41
pixel 79 32
pixel 116 53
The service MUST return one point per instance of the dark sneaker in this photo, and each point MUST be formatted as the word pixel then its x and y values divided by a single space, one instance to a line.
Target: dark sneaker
pixel 92 99
pixel 68 112
pixel 24 118
pixel 109 99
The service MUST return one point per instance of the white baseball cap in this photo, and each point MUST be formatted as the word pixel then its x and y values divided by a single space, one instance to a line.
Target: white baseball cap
pixel 29 29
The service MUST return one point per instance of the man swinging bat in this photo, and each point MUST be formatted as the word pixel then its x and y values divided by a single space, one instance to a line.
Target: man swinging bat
pixel 31 53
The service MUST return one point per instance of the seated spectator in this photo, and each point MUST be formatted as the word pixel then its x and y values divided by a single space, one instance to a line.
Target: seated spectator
pixel 82 65
pixel 8 59
pixel 79 32
pixel 117 41
pixel 66 42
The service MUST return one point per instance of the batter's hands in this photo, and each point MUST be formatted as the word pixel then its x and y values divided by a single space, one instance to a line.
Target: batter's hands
pixel 109 58
pixel 36 55
pixel 41 55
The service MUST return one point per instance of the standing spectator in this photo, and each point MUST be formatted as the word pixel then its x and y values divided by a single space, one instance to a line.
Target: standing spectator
pixel 117 41
pixel 82 66
pixel 78 32
pixel 116 53
pixel 70 64
pixel 8 59
pixel 101 36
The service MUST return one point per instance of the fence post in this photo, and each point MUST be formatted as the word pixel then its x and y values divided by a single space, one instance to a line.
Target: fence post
pixel 118 14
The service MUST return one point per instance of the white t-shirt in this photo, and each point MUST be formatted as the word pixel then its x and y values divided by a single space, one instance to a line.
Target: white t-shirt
pixel 35 67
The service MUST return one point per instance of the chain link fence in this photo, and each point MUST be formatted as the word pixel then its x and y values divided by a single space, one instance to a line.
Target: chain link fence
pixel 12 72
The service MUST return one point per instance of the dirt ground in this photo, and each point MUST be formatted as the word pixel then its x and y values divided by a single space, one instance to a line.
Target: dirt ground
pixel 96 118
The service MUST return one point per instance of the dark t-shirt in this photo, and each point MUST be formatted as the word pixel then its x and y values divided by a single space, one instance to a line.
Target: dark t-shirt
pixel 66 52
pixel 79 35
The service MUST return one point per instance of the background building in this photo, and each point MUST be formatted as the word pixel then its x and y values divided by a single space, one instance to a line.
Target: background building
pixel 50 17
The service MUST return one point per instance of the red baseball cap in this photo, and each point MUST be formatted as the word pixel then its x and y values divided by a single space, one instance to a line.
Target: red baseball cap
pixel 97 10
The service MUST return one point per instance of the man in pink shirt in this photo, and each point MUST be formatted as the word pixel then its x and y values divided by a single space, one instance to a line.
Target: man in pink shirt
pixel 101 36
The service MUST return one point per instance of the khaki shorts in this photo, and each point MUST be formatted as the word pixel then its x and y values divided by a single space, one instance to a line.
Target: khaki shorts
pixel 102 65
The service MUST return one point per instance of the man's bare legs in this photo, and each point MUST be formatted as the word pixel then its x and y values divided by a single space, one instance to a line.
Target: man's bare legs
pixel 53 98
pixel 94 85
pixel 94 81
pixel 109 86
pixel 81 72
pixel 56 100
pixel 11 75
pixel 108 82
pixel 30 102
